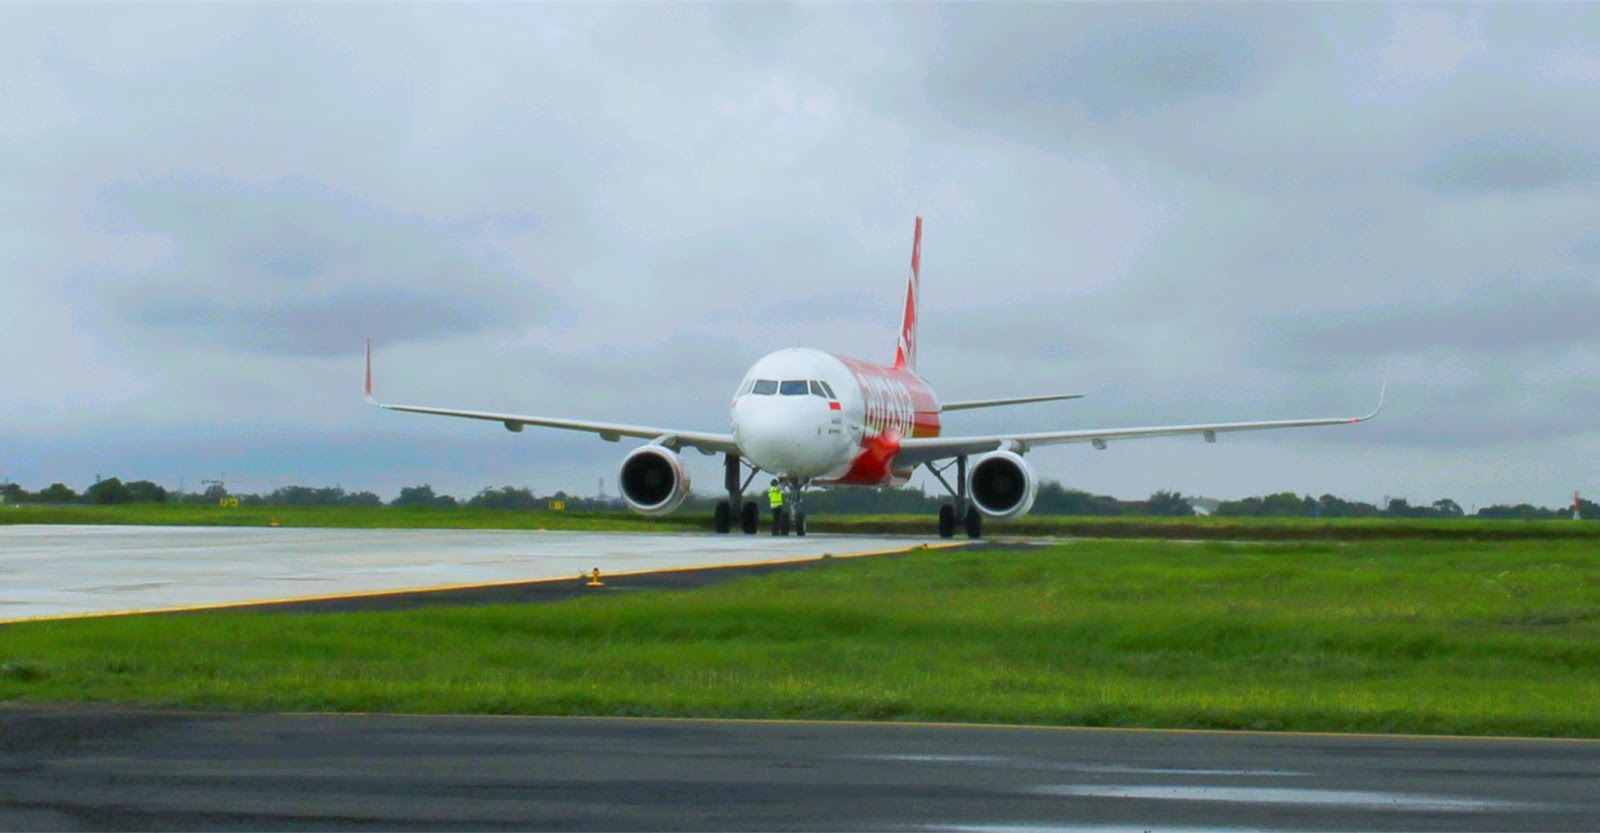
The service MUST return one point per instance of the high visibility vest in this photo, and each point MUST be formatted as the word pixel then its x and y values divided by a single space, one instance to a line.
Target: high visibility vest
pixel 775 497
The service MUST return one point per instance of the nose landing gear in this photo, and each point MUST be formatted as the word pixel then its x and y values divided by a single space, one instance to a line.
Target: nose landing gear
pixel 791 516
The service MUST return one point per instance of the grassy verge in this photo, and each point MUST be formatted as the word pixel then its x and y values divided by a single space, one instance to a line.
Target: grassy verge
pixel 1409 636
pixel 1229 529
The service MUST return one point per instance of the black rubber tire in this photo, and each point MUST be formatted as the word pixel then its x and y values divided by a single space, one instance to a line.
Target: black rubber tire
pixel 722 518
pixel 974 522
pixel 749 517
pixel 947 521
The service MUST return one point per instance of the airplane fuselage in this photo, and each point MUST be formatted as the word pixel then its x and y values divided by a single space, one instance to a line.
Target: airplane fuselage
pixel 818 417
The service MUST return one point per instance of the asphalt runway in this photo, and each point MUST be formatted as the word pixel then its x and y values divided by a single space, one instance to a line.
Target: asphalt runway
pixel 62 571
pixel 95 769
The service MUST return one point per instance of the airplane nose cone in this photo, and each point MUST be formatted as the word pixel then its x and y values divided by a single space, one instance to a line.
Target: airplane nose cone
pixel 784 435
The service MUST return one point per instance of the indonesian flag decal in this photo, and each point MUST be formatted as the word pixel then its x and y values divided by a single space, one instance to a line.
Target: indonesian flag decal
pixel 906 355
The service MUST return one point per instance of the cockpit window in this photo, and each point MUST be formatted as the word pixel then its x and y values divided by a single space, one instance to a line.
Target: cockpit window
pixel 816 389
pixel 745 388
pixel 793 387
pixel 827 390
pixel 765 387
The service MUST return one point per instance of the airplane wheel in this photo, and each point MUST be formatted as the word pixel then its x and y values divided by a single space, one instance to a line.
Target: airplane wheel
pixel 974 523
pixel 722 519
pixel 947 521
pixel 749 517
pixel 799 523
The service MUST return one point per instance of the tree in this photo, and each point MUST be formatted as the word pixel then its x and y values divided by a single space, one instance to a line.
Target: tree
pixel 1055 499
pixel 1249 507
pixel 12 493
pixel 1446 508
pixel 143 491
pixel 1523 511
pixel 1329 506
pixel 361 499
pixel 506 497
pixel 870 501
pixel 422 496
pixel 107 491
pixel 1286 505
pixel 1169 504
pixel 58 493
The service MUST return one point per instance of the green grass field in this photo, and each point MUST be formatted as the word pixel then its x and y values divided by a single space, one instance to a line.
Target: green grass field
pixel 1199 528
pixel 1452 637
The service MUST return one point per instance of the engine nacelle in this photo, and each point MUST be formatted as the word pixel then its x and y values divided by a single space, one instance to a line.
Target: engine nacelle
pixel 1002 485
pixel 654 480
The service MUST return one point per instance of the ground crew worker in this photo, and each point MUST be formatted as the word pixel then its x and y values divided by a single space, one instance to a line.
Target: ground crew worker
pixel 775 500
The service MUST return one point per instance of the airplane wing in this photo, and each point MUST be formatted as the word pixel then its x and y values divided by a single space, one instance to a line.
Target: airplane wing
pixel 1016 400
pixel 706 442
pixel 920 450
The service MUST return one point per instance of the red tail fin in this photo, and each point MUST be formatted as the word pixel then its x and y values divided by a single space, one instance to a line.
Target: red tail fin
pixel 905 355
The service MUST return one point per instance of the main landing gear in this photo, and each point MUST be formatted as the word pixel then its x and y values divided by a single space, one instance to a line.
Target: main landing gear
pixel 748 513
pixel 963 512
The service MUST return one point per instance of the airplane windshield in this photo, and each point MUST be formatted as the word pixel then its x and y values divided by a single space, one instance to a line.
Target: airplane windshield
pixel 794 387
pixel 816 389
pixel 765 387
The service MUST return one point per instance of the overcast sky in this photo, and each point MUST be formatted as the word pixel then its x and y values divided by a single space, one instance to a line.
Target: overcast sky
pixel 1187 212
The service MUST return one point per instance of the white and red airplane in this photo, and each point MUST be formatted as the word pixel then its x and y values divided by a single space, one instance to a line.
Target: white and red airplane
pixel 809 418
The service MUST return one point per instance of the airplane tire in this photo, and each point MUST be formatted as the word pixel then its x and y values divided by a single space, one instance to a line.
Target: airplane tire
pixel 947 521
pixel 974 523
pixel 722 518
pixel 749 517
pixel 799 523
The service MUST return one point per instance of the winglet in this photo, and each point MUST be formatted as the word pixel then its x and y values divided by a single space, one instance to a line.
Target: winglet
pixel 1383 389
pixel 370 400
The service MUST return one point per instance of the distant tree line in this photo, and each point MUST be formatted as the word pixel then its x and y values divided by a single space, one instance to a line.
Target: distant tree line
pixel 108 491
pixel 1053 499
pixel 1290 505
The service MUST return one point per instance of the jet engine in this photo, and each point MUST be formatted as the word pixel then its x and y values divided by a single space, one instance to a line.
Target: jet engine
pixel 1002 485
pixel 654 480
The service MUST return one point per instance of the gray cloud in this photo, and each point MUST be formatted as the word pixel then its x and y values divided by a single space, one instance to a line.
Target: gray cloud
pixel 1508 316
pixel 301 270
pixel 1512 164
pixel 1587 250
pixel 1139 68
pixel 323 325
pixel 1107 61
